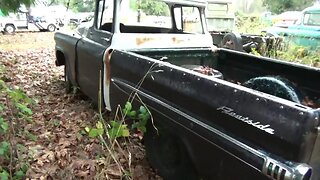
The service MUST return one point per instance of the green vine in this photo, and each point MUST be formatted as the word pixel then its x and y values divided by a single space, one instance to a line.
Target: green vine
pixel 14 106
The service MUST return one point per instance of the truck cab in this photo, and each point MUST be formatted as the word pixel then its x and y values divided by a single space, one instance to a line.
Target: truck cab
pixel 220 15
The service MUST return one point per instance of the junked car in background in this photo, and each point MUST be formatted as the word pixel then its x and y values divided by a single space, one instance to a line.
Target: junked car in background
pixel 22 20
pixel 305 31
pixel 286 19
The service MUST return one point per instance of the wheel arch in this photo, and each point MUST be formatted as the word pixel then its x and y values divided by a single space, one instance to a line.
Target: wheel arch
pixel 161 120
pixel 52 24
pixel 60 58
pixel 10 24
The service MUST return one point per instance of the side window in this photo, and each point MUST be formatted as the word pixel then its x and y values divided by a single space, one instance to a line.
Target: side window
pixel 312 19
pixel 188 19
pixel 178 18
pixel 105 15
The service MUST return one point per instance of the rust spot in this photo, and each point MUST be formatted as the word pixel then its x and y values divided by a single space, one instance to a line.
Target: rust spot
pixel 140 41
pixel 176 40
pixel 108 68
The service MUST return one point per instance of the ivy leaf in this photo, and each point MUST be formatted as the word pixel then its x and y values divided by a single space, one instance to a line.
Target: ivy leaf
pixel 144 117
pixel 24 109
pixel 4 175
pixel 113 133
pixel 19 174
pixel 132 114
pixel 4 148
pixel 143 110
pixel 4 126
pixel 118 130
pixel 2 107
pixel 125 132
pixel 127 107
pixel 25 167
pixel 135 125
pixel 95 132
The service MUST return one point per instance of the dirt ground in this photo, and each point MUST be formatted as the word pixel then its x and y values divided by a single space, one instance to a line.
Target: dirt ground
pixel 57 146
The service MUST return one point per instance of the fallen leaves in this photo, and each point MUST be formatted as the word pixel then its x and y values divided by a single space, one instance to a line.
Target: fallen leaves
pixel 59 148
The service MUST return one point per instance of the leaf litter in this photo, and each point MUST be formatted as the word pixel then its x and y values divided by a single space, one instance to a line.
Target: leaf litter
pixel 57 146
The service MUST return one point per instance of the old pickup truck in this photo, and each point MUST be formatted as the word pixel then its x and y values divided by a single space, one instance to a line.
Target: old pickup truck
pixel 305 31
pixel 218 113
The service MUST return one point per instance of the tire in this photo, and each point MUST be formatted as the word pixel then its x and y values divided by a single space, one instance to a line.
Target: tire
pixel 276 86
pixel 167 153
pixel 232 41
pixel 9 29
pixel 68 85
pixel 51 27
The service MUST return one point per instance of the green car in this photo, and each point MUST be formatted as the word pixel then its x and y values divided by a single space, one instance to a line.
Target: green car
pixel 305 32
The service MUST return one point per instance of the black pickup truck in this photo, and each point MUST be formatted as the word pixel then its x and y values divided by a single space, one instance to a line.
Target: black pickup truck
pixel 218 113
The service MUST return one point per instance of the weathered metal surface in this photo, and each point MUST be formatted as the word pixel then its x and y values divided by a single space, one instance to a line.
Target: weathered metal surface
pixel 133 41
pixel 305 32
pixel 106 78
pixel 222 124
pixel 199 3
pixel 230 109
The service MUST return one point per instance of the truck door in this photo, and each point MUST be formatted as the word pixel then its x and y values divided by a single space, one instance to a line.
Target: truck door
pixel 21 20
pixel 90 52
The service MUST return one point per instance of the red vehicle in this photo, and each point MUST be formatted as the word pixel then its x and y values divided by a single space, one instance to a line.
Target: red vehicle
pixel 286 18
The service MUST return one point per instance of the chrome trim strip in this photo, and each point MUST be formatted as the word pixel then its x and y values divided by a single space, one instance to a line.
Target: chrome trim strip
pixel 315 157
pixel 296 171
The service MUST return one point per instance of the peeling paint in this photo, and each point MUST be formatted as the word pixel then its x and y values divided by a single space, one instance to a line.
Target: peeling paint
pixel 107 58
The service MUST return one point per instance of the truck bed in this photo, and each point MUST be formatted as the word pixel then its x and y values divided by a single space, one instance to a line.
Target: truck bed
pixel 271 125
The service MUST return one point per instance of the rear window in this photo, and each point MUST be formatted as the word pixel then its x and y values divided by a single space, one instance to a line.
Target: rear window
pixel 149 13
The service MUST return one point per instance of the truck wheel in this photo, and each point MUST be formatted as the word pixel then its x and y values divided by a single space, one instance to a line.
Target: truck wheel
pixel 232 41
pixel 167 153
pixel 51 27
pixel 67 81
pixel 10 29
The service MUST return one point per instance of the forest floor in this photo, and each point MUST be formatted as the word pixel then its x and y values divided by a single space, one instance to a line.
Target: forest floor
pixel 55 144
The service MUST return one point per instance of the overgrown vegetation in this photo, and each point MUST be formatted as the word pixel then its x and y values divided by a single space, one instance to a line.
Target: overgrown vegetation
pixel 113 136
pixel 15 113
pixel 128 121
pixel 7 6
pixel 299 54
pixel 282 49
pixel 286 5
pixel 250 24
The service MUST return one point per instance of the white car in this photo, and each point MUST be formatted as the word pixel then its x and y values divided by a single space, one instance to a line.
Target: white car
pixel 22 21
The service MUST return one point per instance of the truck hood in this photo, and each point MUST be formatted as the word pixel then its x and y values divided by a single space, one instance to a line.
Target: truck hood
pixel 293 30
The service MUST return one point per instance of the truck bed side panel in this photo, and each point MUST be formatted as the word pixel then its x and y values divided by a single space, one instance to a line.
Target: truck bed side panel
pixel 205 106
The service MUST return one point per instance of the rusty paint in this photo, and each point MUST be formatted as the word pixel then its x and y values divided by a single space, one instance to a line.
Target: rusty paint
pixel 108 67
pixel 176 40
pixel 140 41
